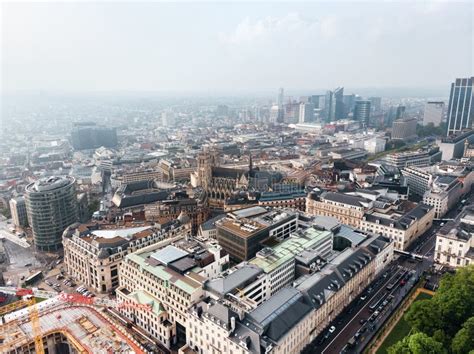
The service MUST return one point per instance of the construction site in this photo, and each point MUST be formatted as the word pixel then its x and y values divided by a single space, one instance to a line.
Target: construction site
pixel 63 323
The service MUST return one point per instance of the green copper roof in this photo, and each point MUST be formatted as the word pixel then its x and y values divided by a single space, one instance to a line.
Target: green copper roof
pixel 164 273
pixel 289 248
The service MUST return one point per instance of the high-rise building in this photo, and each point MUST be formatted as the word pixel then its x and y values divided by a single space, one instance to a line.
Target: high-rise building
pixel 18 211
pixel 91 136
pixel 329 106
pixel 339 111
pixel 349 103
pixel 306 113
pixel 362 112
pixel 281 97
pixel 400 112
pixel 434 112
pixel 316 100
pixel 375 103
pixel 404 129
pixel 461 105
pixel 51 205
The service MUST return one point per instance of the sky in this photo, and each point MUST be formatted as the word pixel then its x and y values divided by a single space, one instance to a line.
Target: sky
pixel 233 46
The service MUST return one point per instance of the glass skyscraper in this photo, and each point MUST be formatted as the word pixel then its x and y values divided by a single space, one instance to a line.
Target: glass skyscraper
pixel 461 106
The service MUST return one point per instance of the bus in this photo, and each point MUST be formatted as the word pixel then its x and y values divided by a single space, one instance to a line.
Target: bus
pixel 377 302
pixel 34 278
pixel 396 281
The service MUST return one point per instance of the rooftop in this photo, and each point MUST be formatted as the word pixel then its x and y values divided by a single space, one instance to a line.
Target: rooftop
pixel 269 259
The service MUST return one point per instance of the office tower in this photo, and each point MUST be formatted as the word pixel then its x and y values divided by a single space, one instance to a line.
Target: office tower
pixel 349 104
pixel 306 113
pixel 404 129
pixel 88 135
pixel 461 105
pixel 280 97
pixel 434 112
pixel 400 114
pixel 51 205
pixel 18 211
pixel 316 100
pixel 339 112
pixel 274 114
pixel 292 112
pixel 362 112
pixel 375 103
pixel 329 106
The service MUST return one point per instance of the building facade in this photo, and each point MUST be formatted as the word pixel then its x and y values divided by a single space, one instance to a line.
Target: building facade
pixel 347 209
pixel 168 277
pixel 94 252
pixel 362 112
pixel 18 211
pixel 461 105
pixel 51 205
pixel 242 231
pixel 455 241
pixel 402 228
pixel 434 113
pixel 293 316
pixel 404 129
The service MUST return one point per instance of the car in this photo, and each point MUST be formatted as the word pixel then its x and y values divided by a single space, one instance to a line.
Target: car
pixel 385 274
pixel 332 329
pixel 48 283
pixel 376 313
pixel 28 265
pixel 362 321
pixel 363 297
pixel 369 290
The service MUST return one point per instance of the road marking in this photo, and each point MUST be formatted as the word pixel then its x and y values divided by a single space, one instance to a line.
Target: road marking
pixel 363 308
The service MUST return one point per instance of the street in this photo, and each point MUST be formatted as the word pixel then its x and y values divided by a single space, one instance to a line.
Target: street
pixel 358 321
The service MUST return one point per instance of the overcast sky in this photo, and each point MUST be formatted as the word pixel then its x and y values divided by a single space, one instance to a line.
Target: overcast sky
pixel 234 46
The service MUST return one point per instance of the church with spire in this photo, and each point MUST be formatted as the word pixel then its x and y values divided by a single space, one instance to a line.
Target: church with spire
pixel 221 182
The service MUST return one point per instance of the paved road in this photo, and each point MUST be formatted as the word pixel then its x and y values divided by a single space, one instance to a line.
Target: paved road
pixel 6 234
pixel 349 322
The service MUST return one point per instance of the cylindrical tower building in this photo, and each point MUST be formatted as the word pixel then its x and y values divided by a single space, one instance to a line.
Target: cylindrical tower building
pixel 51 205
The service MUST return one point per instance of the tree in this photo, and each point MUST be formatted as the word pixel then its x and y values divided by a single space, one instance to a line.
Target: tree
pixel 418 343
pixel 423 316
pixel 463 341
pixel 6 213
pixel 446 318
pixel 451 306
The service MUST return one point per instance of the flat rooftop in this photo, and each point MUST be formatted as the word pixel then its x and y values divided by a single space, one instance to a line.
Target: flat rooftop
pixel 269 259
pixel 247 226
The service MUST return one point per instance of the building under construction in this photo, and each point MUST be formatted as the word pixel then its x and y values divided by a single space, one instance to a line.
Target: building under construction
pixel 62 326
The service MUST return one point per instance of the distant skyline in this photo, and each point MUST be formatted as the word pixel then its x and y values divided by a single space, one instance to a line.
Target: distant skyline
pixel 234 47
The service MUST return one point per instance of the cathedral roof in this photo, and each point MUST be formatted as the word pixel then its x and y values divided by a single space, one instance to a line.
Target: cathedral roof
pixel 227 172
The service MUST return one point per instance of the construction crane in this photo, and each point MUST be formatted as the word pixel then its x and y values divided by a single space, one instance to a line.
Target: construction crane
pixel 30 302
pixel 33 313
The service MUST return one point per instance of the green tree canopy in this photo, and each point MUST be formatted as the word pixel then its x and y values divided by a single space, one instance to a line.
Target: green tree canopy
pixel 445 320
pixel 418 343
pixel 463 341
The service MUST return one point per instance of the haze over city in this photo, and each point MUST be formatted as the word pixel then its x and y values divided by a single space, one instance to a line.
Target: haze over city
pixel 236 47
pixel 237 177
